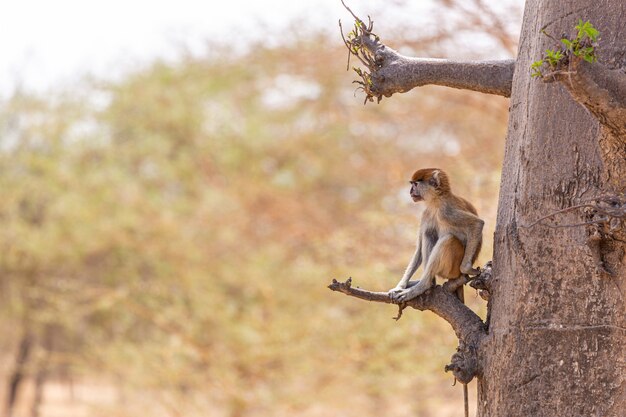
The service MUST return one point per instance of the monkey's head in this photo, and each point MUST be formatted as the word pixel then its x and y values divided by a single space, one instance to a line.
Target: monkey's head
pixel 428 184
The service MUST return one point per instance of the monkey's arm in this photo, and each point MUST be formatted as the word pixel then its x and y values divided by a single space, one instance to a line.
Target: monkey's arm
pixel 416 261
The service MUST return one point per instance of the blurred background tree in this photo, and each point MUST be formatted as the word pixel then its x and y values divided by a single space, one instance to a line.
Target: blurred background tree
pixel 167 237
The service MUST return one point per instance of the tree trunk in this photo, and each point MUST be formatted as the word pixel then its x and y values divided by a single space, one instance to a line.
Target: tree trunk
pixel 43 370
pixel 40 381
pixel 19 372
pixel 556 342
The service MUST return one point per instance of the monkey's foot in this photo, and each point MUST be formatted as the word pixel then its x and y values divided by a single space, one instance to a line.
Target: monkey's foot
pixel 408 293
pixel 395 290
pixel 468 270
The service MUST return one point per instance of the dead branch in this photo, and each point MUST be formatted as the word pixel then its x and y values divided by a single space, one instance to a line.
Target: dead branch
pixel 441 300
pixel 388 72
pixel 612 209
pixel 465 323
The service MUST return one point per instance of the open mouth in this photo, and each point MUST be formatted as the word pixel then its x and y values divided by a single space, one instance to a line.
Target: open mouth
pixel 416 198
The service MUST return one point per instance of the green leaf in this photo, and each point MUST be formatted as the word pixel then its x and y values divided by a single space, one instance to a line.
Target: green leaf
pixel 586 29
pixel 592 32
pixel 535 68
pixel 580 27
pixel 537 64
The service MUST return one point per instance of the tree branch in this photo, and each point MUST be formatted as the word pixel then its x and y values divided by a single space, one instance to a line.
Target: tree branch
pixel 466 363
pixel 600 89
pixel 469 328
pixel 397 73
pixel 390 72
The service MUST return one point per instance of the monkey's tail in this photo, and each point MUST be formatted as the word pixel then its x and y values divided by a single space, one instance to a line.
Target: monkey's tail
pixel 461 296
pixel 465 400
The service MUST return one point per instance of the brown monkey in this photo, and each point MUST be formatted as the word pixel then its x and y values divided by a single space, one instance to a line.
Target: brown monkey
pixel 450 235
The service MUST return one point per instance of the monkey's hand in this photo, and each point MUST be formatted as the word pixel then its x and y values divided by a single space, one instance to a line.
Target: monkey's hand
pixel 468 270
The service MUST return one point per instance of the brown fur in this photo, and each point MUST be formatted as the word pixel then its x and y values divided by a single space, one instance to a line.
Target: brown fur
pixel 450 238
pixel 449 264
pixel 426 174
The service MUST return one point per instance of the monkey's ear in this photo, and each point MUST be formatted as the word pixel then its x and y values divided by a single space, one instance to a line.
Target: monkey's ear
pixel 435 179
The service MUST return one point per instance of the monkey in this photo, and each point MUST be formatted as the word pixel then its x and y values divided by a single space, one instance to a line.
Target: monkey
pixel 450 236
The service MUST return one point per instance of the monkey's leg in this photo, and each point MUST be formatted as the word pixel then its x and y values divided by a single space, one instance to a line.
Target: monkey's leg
pixel 416 261
pixel 457 286
pixel 474 242
pixel 433 266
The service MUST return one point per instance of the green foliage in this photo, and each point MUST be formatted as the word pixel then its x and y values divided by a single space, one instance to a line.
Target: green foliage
pixel 583 46
pixel 536 68
pixel 553 57
pixel 586 30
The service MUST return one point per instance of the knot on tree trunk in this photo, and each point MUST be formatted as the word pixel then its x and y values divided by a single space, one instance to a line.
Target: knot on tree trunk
pixel 465 363
pixel 482 282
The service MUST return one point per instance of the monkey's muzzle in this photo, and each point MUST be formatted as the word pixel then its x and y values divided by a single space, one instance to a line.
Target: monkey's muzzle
pixel 416 197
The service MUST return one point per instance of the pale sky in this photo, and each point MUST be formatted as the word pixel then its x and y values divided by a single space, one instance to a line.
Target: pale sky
pixel 46 43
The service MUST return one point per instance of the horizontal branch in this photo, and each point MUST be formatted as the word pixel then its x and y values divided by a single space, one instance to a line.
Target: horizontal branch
pixel 398 74
pixel 469 328
pixel 391 72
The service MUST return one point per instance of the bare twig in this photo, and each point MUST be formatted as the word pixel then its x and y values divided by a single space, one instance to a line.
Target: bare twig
pixel 610 206
pixel 356 45
pixel 401 308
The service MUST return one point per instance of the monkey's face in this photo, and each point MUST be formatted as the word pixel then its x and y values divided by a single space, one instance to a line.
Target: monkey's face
pixel 418 190
pixel 426 184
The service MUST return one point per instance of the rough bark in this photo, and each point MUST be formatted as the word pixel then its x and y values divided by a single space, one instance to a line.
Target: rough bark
pixel 558 325
pixel 601 89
